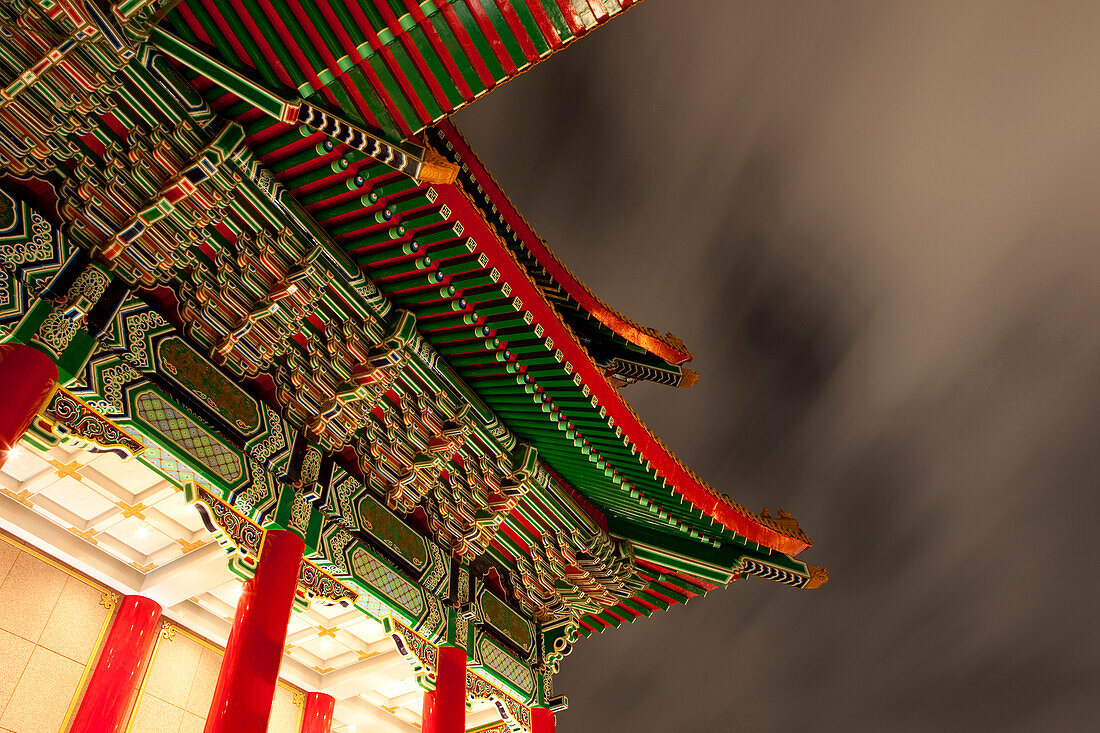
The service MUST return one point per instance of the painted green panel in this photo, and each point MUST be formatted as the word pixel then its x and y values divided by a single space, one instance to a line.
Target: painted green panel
pixel 200 378
pixel 505 620
pixel 187 435
pixel 391 531
pixel 505 665
pixel 381 577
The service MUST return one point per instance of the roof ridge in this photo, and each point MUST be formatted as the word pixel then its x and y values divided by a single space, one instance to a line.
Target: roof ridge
pixel 785 526
pixel 674 351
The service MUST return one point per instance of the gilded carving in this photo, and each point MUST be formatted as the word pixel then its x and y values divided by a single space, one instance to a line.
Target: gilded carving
pixel 240 536
pixel 108 600
pixel 67 416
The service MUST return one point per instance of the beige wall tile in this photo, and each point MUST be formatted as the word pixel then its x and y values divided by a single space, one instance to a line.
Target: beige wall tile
pixel 8 553
pixel 43 694
pixel 30 592
pixel 286 717
pixel 206 677
pixel 192 723
pixel 173 670
pixel 154 715
pixel 15 652
pixel 76 621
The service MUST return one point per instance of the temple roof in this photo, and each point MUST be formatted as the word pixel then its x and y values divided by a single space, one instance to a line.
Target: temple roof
pixel 784 536
pixel 599 325
pixel 422 249
pixel 436 250
pixel 395 65
pixel 274 279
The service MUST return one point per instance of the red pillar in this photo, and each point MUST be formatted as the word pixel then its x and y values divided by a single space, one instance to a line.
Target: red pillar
pixel 445 706
pixel 317 717
pixel 542 720
pixel 116 676
pixel 27 377
pixel 250 668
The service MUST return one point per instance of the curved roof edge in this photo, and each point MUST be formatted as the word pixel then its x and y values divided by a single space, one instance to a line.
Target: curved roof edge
pixel 782 535
pixel 668 347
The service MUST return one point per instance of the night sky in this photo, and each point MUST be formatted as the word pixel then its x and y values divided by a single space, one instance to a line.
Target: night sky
pixel 876 224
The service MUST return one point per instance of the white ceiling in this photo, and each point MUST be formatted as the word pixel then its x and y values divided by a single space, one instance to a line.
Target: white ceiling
pixel 124 525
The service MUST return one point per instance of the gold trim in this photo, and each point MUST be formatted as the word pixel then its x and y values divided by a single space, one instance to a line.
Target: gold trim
pixel 93 659
pixel 88 535
pixel 189 546
pixel 132 510
pixel 108 600
pixel 51 422
pixel 23 496
pixel 437 169
pixel 67 470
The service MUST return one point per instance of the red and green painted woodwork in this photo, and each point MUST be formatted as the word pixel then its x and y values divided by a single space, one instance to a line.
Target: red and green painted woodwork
pixel 507 647
pixel 392 65
pixel 105 704
pixel 60 284
pixel 436 663
pixel 601 464
pixel 148 258
pixel 326 345
pixel 270 202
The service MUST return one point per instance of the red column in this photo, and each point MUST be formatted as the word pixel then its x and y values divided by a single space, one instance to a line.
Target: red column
pixel 445 706
pixel 27 376
pixel 542 720
pixel 250 668
pixel 317 717
pixel 116 676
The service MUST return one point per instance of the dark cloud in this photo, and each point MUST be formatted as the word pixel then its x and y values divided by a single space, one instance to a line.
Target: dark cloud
pixel 875 223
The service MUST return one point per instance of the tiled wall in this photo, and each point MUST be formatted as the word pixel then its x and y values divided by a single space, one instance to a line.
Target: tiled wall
pixel 52 623
pixel 179 686
pixel 51 626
